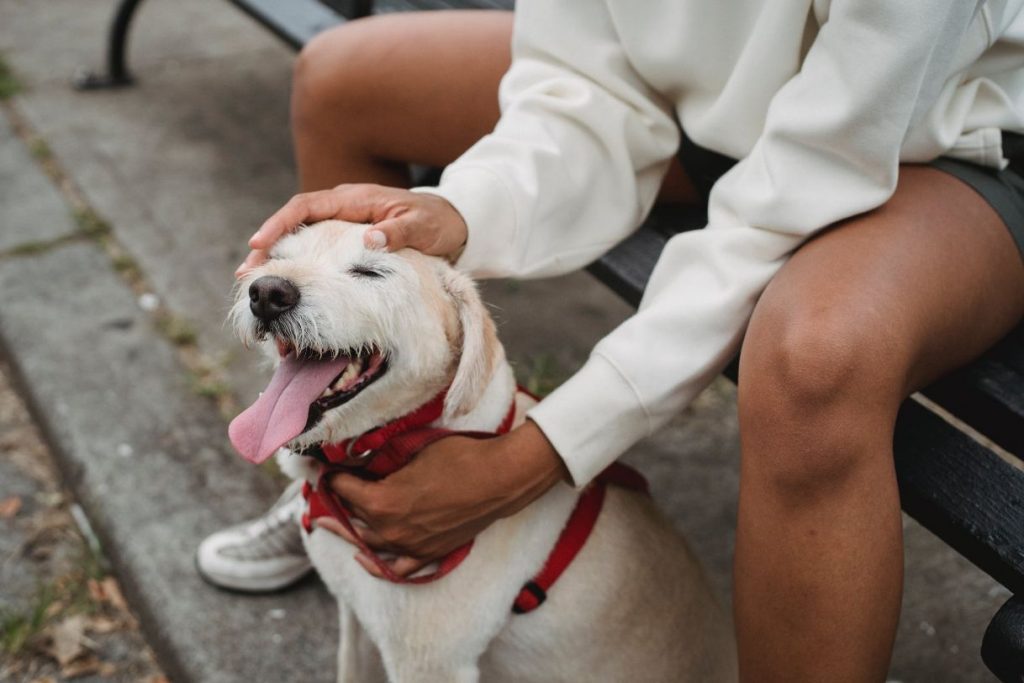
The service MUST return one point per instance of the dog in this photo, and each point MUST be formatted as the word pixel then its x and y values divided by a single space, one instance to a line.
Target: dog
pixel 365 337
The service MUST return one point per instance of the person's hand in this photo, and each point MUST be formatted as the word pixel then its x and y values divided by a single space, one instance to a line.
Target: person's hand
pixel 400 219
pixel 453 490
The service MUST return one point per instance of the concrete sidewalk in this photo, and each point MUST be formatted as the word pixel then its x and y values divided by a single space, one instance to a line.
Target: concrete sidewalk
pixel 183 167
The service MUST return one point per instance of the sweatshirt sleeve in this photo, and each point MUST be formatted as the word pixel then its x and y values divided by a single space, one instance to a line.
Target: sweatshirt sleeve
pixel 829 150
pixel 577 158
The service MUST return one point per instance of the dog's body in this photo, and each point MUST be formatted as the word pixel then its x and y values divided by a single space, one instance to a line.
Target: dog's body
pixel 632 606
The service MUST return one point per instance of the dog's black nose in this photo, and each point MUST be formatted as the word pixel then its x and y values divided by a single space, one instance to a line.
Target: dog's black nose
pixel 270 296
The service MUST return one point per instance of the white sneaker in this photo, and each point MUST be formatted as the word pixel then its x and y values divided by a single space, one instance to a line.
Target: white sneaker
pixel 261 555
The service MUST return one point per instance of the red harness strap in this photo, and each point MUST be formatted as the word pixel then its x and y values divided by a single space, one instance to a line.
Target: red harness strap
pixel 387 449
pixel 575 534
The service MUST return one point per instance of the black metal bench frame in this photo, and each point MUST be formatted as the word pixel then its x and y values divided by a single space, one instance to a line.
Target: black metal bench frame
pixel 968 494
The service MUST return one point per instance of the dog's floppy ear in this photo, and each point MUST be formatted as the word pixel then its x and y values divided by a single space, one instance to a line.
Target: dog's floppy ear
pixel 478 345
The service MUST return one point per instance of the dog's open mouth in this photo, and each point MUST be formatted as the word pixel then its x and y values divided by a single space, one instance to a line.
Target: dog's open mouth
pixel 304 387
pixel 363 369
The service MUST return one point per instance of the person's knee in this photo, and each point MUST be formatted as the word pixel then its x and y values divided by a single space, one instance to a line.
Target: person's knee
pixel 331 74
pixel 817 387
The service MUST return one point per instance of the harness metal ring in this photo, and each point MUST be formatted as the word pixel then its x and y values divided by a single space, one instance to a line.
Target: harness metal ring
pixel 362 458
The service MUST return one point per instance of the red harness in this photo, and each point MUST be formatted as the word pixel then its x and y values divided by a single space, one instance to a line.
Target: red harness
pixel 384 450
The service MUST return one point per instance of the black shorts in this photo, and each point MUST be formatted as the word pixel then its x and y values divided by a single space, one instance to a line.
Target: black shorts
pixel 1003 190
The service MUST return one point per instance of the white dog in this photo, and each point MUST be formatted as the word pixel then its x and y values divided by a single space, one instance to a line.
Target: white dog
pixel 366 337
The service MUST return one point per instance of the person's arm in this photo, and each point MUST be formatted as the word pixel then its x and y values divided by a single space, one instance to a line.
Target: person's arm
pixel 554 186
pixel 577 158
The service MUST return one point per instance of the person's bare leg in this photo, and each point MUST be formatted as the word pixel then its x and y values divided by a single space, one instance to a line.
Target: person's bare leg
pixel 859 318
pixel 377 94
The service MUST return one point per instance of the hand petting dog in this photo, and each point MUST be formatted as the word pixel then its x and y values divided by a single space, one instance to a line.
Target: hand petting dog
pixel 400 218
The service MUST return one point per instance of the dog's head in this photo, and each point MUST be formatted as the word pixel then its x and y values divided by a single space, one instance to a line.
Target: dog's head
pixel 363 337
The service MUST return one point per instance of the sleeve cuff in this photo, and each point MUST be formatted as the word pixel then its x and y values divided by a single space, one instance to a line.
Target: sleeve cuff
pixel 592 419
pixel 483 201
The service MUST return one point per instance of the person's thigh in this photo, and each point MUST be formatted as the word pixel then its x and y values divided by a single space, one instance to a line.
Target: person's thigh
pixel 418 87
pixel 903 293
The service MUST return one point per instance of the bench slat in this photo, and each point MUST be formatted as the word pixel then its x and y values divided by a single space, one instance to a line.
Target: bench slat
pixel 988 394
pixel 627 267
pixel 381 6
pixel 295 22
pixel 963 492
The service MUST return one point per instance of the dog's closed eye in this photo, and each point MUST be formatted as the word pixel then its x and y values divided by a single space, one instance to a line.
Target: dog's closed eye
pixel 366 271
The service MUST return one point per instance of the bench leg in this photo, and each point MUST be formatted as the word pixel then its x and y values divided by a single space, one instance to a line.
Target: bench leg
pixel 1002 648
pixel 116 75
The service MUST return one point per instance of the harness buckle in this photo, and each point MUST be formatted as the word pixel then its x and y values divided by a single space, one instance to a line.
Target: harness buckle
pixel 361 459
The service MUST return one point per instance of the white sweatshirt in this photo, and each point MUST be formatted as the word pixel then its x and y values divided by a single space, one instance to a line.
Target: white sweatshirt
pixel 820 99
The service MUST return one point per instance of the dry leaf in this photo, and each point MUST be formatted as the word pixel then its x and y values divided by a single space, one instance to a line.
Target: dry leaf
pixel 68 639
pixel 96 591
pixel 103 625
pixel 83 666
pixel 113 595
pixel 45 679
pixel 10 507
pixel 157 679
pixel 53 609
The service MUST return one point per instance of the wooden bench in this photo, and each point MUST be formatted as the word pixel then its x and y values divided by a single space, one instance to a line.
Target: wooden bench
pixel 967 491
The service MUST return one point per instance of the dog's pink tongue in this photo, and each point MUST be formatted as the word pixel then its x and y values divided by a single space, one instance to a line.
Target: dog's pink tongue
pixel 281 411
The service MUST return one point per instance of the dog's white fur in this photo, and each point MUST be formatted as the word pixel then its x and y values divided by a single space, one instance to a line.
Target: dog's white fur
pixel 633 605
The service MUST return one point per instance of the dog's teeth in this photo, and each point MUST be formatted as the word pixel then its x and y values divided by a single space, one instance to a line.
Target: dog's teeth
pixel 351 372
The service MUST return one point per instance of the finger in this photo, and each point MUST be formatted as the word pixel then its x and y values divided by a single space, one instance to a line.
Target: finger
pixel 391 234
pixel 406 566
pixel 284 220
pixel 302 208
pixel 336 527
pixel 366 535
pixel 355 203
pixel 368 564
pixel 255 258
pixel 353 491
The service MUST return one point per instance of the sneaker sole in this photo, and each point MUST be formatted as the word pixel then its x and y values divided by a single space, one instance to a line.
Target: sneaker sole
pixel 236 584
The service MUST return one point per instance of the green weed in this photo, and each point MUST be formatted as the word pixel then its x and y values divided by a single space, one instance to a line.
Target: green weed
pixel 9 84
pixel 90 224
pixel 178 330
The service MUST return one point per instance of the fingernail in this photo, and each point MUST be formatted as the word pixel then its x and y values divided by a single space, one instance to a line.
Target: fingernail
pixel 376 239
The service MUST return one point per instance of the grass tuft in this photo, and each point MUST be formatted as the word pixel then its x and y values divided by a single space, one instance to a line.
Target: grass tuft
pixel 9 84
pixel 90 224
pixel 127 266
pixel 209 387
pixel 17 629
pixel 29 248
pixel 178 330
pixel 62 597
pixel 40 149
